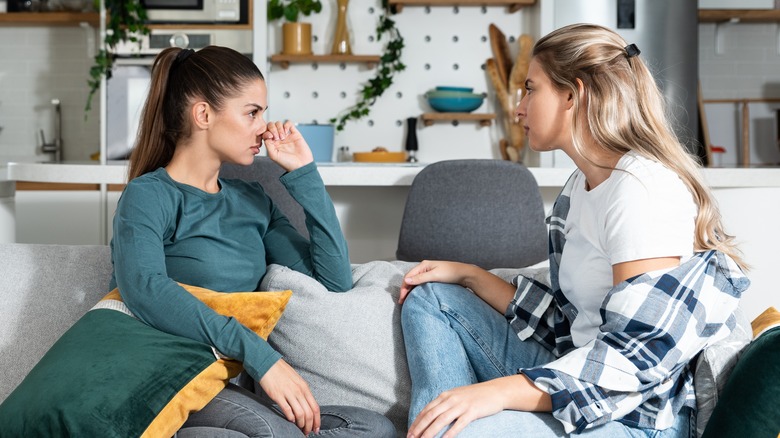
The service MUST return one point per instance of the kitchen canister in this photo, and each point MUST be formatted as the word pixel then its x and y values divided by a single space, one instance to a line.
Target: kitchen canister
pixel 320 139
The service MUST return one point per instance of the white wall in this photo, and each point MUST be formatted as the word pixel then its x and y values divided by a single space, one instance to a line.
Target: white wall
pixel 443 46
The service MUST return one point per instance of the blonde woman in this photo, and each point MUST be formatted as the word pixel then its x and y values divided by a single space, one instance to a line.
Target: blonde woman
pixel 642 274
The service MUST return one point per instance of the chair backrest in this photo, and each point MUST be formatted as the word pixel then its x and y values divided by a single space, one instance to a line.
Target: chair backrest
pixel 485 212
pixel 267 173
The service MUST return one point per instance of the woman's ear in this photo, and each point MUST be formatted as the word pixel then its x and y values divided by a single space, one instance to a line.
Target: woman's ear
pixel 580 93
pixel 201 115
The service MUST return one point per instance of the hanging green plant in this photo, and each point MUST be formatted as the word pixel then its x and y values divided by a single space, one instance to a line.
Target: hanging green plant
pixel 127 22
pixel 389 65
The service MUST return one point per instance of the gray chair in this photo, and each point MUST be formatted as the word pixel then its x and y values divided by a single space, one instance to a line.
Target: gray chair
pixel 484 212
pixel 267 173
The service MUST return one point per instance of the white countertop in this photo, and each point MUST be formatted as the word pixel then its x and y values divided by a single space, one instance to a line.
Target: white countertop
pixel 361 174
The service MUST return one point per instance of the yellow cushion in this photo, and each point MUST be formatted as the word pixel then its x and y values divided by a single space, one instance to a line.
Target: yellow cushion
pixel 259 311
pixel 770 318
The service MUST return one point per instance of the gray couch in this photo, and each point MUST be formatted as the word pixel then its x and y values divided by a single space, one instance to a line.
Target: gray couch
pixel 348 346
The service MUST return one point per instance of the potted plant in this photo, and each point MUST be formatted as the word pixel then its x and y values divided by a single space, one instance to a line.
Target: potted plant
pixel 296 36
pixel 127 21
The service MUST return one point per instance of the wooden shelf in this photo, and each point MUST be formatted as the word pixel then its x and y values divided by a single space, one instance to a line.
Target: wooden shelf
pixel 484 119
pixel 49 18
pixel 512 5
pixel 285 60
pixel 742 15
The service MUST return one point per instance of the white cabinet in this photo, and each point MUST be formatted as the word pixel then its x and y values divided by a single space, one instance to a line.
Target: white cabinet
pixel 58 216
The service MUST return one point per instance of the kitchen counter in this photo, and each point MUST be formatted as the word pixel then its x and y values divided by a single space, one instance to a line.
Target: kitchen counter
pixel 361 174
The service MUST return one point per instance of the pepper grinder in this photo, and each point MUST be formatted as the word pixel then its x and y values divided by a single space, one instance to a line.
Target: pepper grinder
pixel 411 139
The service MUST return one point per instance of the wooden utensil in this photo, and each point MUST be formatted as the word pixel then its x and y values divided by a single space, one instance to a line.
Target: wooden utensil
pixel 500 48
pixel 491 67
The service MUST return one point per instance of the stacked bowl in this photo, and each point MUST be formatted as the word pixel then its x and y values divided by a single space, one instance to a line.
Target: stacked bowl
pixel 447 99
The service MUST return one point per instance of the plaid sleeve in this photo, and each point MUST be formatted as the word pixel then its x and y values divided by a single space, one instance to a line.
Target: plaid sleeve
pixel 530 313
pixel 636 370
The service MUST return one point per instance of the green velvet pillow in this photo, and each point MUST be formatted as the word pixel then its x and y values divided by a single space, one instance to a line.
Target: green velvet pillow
pixel 111 375
pixel 749 405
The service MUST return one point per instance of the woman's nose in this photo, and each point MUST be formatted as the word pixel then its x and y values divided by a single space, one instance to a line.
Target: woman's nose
pixel 520 110
pixel 520 104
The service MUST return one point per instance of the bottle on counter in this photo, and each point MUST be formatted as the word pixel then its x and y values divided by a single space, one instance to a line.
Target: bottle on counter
pixel 411 140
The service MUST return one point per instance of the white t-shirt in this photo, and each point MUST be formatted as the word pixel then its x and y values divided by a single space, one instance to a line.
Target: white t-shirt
pixel 643 210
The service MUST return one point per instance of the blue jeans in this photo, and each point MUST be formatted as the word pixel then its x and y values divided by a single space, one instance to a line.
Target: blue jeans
pixel 453 338
pixel 238 413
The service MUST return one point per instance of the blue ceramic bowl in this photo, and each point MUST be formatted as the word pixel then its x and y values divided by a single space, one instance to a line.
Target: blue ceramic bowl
pixel 455 104
pixel 460 89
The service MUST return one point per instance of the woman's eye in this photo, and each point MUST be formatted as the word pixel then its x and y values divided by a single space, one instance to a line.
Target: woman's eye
pixel 253 114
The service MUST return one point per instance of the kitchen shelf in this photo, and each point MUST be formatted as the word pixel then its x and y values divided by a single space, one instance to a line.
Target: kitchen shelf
pixel 285 60
pixel 513 5
pixel 742 15
pixel 484 119
pixel 49 18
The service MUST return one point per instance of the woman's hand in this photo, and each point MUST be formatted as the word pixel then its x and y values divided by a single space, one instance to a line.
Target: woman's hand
pixel 286 145
pixel 432 270
pixel 461 406
pixel 288 390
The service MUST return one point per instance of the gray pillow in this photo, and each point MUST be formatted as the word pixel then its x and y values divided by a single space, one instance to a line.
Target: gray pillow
pixel 714 366
pixel 347 346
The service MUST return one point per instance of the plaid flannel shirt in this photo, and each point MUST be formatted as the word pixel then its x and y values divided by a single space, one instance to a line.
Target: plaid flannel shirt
pixel 638 369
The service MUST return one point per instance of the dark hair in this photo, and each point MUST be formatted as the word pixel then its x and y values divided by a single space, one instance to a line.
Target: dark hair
pixel 179 76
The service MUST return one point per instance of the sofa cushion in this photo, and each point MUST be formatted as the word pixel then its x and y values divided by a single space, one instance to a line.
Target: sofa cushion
pixel 349 346
pixel 112 375
pixel 714 366
pixel 749 401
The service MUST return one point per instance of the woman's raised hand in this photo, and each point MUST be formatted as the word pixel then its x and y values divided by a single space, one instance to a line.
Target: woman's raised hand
pixel 286 146
pixel 288 390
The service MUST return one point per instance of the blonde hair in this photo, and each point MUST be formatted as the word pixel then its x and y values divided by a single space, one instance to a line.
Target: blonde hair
pixel 626 111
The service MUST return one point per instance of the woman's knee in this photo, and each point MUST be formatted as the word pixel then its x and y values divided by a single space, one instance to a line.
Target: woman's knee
pixel 433 297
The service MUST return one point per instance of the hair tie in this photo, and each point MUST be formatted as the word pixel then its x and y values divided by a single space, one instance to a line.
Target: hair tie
pixel 632 50
pixel 183 55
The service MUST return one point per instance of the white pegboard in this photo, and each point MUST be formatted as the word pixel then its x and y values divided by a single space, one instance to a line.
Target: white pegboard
pixel 443 46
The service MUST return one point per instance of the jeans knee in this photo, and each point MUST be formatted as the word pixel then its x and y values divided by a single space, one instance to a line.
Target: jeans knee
pixel 422 297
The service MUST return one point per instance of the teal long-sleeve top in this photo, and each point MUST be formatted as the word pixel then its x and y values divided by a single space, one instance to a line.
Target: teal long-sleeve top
pixel 167 232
